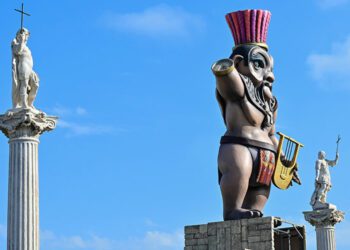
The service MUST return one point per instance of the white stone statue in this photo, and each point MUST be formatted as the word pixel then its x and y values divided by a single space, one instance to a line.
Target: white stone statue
pixel 25 81
pixel 323 181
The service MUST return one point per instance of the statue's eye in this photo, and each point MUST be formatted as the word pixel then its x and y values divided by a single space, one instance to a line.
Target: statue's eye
pixel 258 64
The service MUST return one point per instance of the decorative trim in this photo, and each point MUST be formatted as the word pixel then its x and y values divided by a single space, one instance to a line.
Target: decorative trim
pixel 23 123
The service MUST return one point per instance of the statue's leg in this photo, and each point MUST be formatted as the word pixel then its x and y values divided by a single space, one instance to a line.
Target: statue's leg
pixel 23 95
pixel 34 85
pixel 256 197
pixel 327 188
pixel 313 198
pixel 235 165
pixel 323 192
pixel 257 194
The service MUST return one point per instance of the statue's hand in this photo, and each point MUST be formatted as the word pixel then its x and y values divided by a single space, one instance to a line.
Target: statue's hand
pixel 296 177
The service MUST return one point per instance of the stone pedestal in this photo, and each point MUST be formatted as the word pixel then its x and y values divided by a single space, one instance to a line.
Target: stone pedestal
pixel 23 128
pixel 324 220
pixel 254 234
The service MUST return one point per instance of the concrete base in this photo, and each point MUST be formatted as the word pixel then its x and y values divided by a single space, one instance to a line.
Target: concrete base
pixel 258 233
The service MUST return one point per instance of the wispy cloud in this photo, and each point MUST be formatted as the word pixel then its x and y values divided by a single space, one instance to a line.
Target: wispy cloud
pixel 76 129
pixel 333 67
pixel 331 3
pixel 150 223
pixel 153 240
pixel 60 110
pixel 158 21
pixel 71 119
pixel 51 241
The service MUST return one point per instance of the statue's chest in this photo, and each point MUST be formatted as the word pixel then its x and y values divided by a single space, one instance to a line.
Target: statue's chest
pixel 253 115
pixel 324 167
pixel 255 107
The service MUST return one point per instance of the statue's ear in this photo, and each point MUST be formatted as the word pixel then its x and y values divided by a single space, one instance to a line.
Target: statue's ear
pixel 237 59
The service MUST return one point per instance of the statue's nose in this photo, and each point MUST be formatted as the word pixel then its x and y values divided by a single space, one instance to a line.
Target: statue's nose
pixel 270 77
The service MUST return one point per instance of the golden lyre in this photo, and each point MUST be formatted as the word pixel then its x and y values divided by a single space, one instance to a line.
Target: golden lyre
pixel 286 161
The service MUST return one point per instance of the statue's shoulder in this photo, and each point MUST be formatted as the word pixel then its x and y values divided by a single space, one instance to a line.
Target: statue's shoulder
pixel 14 43
pixel 319 162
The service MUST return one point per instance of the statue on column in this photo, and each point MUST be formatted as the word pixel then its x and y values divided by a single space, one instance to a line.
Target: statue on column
pixel 323 180
pixel 248 150
pixel 25 81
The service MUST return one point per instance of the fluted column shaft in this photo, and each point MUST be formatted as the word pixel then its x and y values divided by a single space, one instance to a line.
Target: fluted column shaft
pixel 23 198
pixel 325 238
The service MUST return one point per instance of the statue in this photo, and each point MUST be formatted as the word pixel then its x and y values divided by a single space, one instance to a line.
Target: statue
pixel 25 81
pixel 244 83
pixel 323 180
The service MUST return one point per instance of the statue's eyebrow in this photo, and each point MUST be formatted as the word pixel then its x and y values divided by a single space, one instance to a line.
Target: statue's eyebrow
pixel 272 62
pixel 259 56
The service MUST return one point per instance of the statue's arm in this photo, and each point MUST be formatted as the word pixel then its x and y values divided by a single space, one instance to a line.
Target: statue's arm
pixel 17 47
pixel 334 162
pixel 228 81
pixel 318 167
pixel 272 133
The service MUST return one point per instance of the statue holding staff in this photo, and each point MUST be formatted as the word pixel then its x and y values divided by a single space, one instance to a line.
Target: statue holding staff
pixel 25 81
pixel 323 179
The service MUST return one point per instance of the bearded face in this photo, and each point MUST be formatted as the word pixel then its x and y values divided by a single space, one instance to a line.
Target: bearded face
pixel 255 63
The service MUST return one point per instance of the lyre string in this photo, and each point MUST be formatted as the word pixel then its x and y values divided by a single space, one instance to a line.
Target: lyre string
pixel 288 150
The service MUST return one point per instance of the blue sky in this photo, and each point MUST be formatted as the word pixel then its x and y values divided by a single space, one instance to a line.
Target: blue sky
pixel 133 158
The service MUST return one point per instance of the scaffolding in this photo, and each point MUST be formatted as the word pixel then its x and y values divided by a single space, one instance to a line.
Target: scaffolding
pixel 289 238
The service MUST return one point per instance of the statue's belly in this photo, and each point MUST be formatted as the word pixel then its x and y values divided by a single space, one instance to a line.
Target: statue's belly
pixel 246 122
pixel 25 68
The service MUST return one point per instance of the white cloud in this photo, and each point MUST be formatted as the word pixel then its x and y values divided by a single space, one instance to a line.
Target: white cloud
pixel 80 111
pixel 150 223
pixel 333 67
pixel 60 110
pixel 331 3
pixel 153 240
pixel 51 241
pixel 159 240
pixel 71 120
pixel 84 129
pixel 158 21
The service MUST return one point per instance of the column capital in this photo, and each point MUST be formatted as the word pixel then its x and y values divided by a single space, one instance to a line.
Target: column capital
pixel 22 123
pixel 324 217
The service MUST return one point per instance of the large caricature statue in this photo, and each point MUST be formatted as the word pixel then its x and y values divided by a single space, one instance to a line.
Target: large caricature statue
pixel 244 84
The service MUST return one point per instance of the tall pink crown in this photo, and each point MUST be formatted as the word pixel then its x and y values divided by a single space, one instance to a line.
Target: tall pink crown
pixel 249 26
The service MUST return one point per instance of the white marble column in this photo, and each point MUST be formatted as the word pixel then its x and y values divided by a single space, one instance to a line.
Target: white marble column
pixel 324 220
pixel 23 128
pixel 325 238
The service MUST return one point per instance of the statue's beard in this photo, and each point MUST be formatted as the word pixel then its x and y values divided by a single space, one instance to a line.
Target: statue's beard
pixel 261 97
pixel 264 92
pixel 267 91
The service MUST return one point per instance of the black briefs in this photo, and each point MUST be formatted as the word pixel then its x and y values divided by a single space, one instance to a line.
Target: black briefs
pixel 247 142
pixel 254 148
